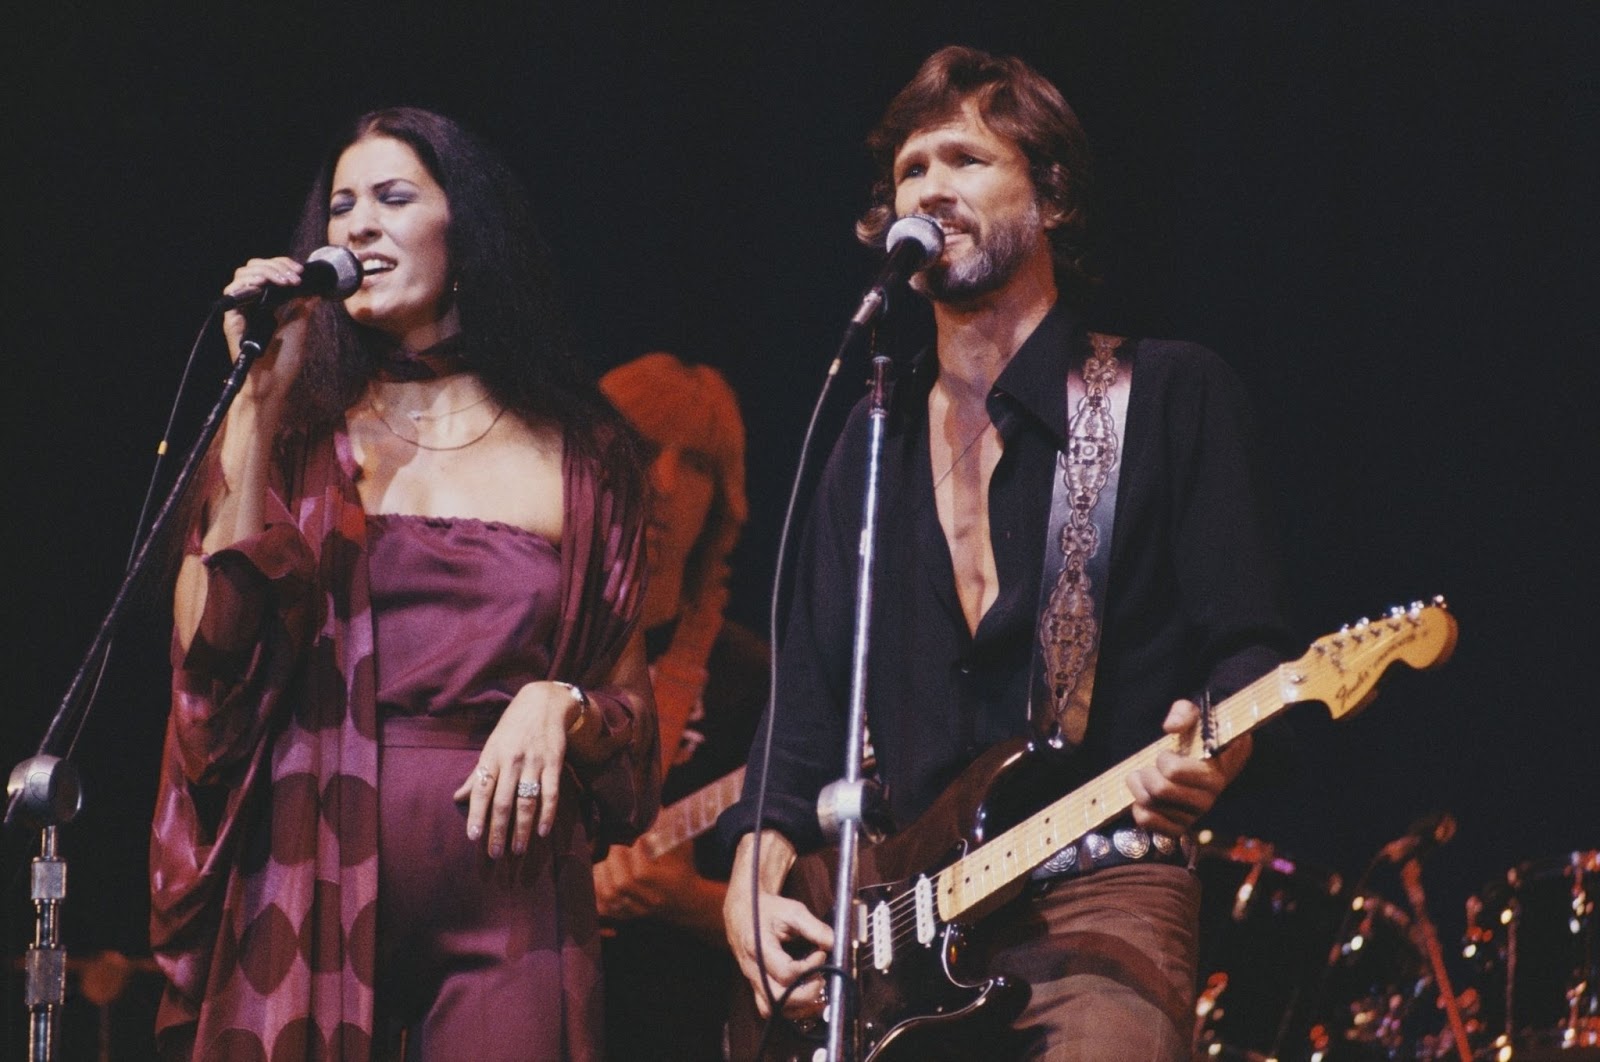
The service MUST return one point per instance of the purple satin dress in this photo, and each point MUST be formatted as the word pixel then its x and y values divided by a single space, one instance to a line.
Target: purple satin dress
pixel 477 958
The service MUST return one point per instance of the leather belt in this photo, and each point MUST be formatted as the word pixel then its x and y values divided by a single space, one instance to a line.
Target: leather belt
pixel 1117 847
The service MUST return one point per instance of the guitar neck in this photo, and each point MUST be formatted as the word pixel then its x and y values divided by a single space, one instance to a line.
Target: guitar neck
pixel 686 819
pixel 1000 862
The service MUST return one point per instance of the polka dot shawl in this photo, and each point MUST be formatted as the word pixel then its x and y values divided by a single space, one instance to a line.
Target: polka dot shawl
pixel 264 860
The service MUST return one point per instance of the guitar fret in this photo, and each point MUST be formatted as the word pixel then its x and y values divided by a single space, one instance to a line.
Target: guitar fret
pixel 692 816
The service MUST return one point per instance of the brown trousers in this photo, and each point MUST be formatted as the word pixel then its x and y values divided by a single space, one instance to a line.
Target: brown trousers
pixel 1112 958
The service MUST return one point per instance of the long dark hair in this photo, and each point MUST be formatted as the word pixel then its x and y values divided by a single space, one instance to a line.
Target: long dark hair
pixel 516 336
pixel 514 331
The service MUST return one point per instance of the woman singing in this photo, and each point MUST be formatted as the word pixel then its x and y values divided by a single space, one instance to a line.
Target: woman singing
pixel 409 702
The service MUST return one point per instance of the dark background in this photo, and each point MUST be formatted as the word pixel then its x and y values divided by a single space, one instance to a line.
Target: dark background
pixel 1380 214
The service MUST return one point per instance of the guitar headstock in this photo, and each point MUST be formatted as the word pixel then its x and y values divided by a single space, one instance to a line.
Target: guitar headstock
pixel 1342 669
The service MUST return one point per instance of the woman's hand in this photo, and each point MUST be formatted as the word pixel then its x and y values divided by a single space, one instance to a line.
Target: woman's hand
pixel 517 783
pixel 280 363
pixel 237 506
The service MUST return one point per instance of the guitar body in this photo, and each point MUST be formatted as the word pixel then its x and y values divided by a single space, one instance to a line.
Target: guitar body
pixel 922 1002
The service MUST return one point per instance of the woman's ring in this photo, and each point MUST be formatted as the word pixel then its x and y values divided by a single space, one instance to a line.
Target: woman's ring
pixel 527 790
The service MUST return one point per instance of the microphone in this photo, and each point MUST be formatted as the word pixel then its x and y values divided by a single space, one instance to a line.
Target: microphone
pixel 330 273
pixel 1424 835
pixel 913 243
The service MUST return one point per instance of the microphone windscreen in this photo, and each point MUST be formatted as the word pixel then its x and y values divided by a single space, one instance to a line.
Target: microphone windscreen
pixel 340 271
pixel 920 228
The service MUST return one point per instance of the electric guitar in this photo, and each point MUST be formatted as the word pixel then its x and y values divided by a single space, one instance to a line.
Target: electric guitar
pixel 682 821
pixel 685 819
pixel 972 851
pixel 688 817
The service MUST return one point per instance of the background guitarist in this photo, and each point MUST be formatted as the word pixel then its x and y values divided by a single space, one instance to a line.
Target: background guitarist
pixel 668 974
pixel 989 148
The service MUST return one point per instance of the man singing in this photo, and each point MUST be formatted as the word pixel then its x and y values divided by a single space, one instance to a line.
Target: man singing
pixel 997 607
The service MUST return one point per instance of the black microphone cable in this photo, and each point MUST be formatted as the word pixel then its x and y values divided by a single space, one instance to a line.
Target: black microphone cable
pixel 917 235
pixel 140 528
pixel 331 272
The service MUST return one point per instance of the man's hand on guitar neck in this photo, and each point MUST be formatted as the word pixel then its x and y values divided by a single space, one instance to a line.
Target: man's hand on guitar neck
pixel 785 923
pixel 629 884
pixel 1171 795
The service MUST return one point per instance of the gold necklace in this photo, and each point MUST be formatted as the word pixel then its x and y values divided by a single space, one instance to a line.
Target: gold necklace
pixel 378 411
pixel 964 451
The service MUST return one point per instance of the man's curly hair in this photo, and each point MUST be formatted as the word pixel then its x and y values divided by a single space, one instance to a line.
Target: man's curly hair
pixel 1016 102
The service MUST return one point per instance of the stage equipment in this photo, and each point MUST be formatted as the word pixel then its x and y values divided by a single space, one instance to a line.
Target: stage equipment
pixel 1533 939
pixel 1266 920
pixel 44 791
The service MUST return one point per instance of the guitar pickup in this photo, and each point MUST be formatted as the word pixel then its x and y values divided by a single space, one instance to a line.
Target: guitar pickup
pixel 922 894
pixel 882 936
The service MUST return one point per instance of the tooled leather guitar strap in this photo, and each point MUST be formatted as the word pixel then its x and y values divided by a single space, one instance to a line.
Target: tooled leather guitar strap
pixel 1077 553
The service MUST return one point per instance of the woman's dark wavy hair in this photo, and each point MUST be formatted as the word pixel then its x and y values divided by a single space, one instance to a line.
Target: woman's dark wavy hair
pixel 1016 102
pixel 517 339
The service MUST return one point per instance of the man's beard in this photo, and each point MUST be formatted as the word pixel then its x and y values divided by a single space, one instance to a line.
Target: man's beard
pixel 987 267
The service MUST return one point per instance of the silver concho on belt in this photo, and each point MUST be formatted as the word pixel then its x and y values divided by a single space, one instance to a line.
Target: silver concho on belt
pixel 1132 843
pixel 1061 862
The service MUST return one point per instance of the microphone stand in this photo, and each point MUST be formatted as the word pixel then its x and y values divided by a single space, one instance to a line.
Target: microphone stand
pixel 44 791
pixel 845 805
pixel 1411 878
